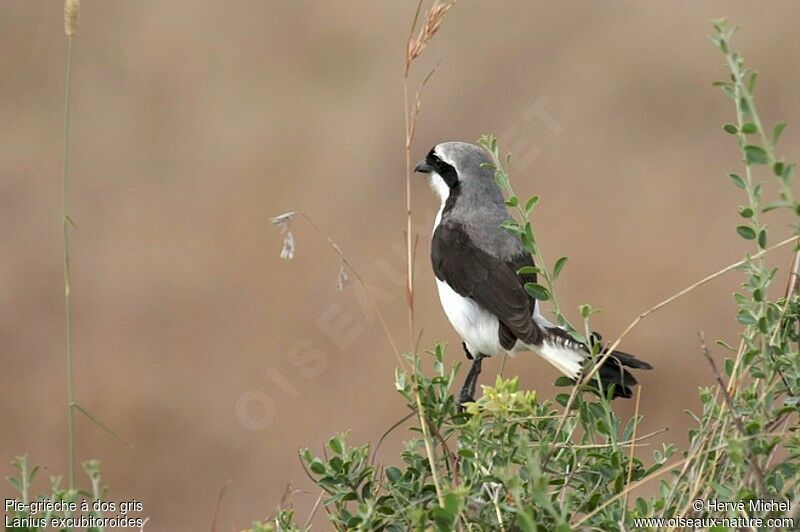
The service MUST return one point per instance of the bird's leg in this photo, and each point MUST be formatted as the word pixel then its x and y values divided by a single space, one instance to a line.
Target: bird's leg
pixel 466 351
pixel 467 393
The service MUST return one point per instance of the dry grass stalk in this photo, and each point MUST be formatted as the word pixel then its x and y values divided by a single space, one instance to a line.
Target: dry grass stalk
pixel 610 349
pixel 345 269
pixel 414 47
pixel 70 24
pixel 633 448
pixel 218 505
pixel 758 473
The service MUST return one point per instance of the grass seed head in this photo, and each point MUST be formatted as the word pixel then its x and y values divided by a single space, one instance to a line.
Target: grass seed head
pixel 71 8
pixel 433 21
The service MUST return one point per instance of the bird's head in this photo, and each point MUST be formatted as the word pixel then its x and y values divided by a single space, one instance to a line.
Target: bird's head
pixel 456 164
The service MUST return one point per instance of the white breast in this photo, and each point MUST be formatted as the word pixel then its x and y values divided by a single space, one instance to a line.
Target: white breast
pixel 478 328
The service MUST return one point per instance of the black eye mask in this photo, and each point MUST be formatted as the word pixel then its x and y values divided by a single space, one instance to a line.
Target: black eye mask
pixel 445 170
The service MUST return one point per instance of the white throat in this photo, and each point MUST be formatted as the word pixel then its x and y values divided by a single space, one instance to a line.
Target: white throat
pixel 439 186
pixel 443 191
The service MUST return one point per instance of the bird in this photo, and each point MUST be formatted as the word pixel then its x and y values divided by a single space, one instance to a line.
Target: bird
pixel 477 263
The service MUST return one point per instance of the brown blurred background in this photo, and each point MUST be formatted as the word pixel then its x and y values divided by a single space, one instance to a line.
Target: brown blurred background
pixel 194 122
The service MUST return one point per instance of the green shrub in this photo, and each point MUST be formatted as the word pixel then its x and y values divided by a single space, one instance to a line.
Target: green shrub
pixel 515 461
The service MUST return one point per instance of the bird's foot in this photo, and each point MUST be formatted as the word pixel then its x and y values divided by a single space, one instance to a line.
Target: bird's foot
pixel 464 397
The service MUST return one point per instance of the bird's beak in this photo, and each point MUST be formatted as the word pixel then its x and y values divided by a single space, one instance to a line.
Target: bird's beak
pixel 423 167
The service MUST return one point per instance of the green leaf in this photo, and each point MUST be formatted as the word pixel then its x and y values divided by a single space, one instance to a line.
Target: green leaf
pixel 730 128
pixel 776 205
pixel 513 226
pixel 16 483
pixel 393 474
pixel 501 179
pixel 336 445
pixel 445 516
pixel 728 91
pixel 745 106
pixel 305 454
pixel 746 212
pixel 317 466
pixel 466 453
pixel 538 291
pixel 776 132
pixel 641 507
pixel 529 232
pixel 746 232
pixel 745 318
pixel 758 190
pixel 587 310
pixel 726 346
pixel 751 83
pixel 728 366
pixel 558 267
pixel 563 381
pixel 762 239
pixel 513 201
pixel 353 522
pixel 738 181
pixel 749 128
pixel 787 173
pixel 531 203
pixel 528 270
pixel 755 154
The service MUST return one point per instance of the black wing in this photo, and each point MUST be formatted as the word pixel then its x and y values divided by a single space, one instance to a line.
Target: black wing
pixel 490 282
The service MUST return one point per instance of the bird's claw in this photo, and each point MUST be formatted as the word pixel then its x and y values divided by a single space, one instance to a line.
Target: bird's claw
pixel 463 398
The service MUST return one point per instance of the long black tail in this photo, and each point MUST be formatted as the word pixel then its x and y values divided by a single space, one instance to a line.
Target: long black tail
pixel 572 358
pixel 613 372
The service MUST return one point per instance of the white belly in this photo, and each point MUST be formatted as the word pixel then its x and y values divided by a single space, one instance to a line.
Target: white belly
pixel 478 328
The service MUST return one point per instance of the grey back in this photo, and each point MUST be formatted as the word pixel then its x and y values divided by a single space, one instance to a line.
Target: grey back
pixel 479 205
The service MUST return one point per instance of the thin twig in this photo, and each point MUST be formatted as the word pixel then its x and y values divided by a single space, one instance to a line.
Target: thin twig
pixel 217 506
pixel 757 471
pixel 100 424
pixel 307 524
pixel 384 325
pixel 632 442
pixel 642 316
pixel 414 47
pixel 426 438
pixel 633 447
pixel 385 434
pixel 637 484
pixel 451 458
pixel 65 222
pixel 411 124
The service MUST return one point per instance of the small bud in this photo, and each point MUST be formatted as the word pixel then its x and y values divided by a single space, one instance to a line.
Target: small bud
pixel 284 222
pixel 287 253
pixel 71 8
pixel 343 278
pixel 283 219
